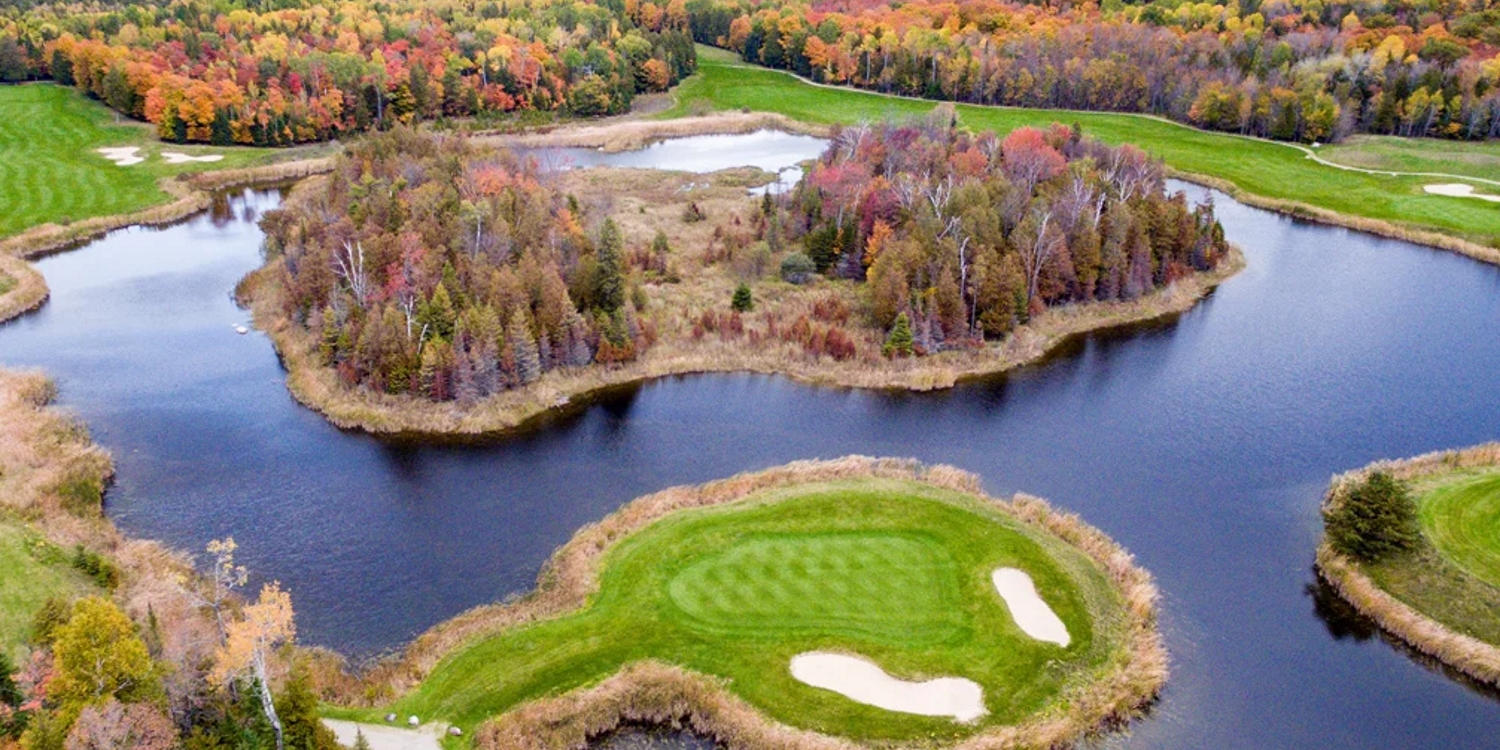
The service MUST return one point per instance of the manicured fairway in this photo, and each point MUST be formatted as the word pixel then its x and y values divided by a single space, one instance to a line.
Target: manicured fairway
pixel 30 573
pixel 50 172
pixel 1391 154
pixel 1462 518
pixel 1264 168
pixel 898 572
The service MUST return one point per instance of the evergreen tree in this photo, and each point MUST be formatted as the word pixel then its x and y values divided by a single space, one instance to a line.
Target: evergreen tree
pixel 742 301
pixel 609 279
pixel 360 743
pixel 899 342
pixel 302 727
pixel 1375 518
pixel 528 358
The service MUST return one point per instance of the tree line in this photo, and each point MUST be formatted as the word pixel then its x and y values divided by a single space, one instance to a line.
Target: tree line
pixel 963 236
pixel 1300 70
pixel 224 72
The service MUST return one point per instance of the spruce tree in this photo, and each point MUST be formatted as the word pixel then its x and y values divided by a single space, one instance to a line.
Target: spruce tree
pixel 742 301
pixel 609 279
pixel 528 358
pixel 899 342
pixel 1375 519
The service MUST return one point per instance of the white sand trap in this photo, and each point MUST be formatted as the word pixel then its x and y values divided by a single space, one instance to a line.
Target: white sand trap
pixel 177 157
pixel 1027 608
pixel 122 156
pixel 1459 190
pixel 382 737
pixel 865 682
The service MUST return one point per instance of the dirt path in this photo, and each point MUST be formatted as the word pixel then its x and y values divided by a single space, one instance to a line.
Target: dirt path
pixel 382 737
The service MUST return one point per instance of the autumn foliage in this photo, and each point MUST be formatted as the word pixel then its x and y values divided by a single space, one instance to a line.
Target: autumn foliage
pixel 296 72
pixel 1287 69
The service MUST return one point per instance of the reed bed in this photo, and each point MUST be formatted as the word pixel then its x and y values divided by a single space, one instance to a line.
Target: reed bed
pixel 659 693
pixel 1469 655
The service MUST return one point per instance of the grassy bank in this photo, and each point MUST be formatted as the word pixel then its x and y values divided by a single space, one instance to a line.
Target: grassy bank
pixel 50 172
pixel 711 590
pixel 1279 175
pixel 1443 597
pixel 34 571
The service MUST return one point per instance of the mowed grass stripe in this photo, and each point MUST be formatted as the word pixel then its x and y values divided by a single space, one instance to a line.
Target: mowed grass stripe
pixel 50 171
pixel 1264 168
pixel 785 563
pixel 1462 518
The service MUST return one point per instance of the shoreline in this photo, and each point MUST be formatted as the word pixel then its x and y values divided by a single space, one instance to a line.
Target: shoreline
pixel 1477 659
pixel 317 388
pixel 652 691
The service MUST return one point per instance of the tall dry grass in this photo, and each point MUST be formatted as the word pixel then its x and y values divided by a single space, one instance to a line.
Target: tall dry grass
pixel 29 292
pixel 1471 656
pixel 44 454
pixel 660 693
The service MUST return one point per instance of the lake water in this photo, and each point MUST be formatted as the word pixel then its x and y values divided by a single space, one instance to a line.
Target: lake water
pixel 1202 444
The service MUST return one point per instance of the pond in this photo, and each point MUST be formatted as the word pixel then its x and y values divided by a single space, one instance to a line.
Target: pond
pixel 1202 444
pixel 769 150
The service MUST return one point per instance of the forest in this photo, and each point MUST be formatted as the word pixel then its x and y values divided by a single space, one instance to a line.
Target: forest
pixel 436 266
pixel 293 72
pixel 1297 70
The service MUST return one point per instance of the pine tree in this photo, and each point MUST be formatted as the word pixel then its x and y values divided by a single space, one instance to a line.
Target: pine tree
pixel 360 743
pixel 899 342
pixel 742 301
pixel 528 359
pixel 1374 519
pixel 302 727
pixel 609 279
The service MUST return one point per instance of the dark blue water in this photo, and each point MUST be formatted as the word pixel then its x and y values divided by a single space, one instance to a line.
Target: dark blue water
pixel 1203 444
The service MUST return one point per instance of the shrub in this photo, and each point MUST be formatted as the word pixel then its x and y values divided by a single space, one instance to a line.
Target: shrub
pixel 54 614
pixel 693 214
pixel 97 567
pixel 1374 519
pixel 797 268
pixel 742 301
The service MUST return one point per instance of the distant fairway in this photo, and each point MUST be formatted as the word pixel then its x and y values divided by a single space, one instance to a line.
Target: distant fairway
pixel 1393 154
pixel 1462 518
pixel 895 571
pixel 1263 168
pixel 49 171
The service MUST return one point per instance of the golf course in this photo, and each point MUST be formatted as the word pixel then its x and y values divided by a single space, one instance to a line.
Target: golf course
pixel 880 565
pixel 1278 174
pixel 1442 596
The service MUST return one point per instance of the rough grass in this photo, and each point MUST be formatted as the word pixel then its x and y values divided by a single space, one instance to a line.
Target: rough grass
pixel 22 289
pixel 31 572
pixel 50 173
pixel 1392 154
pixel 1250 167
pixel 887 558
pixel 1441 598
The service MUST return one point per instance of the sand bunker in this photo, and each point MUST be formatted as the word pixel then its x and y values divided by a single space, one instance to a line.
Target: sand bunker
pixel 177 157
pixel 865 682
pixel 122 156
pixel 1027 608
pixel 1459 190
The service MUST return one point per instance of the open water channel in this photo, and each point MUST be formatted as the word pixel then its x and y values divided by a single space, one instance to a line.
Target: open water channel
pixel 1203 444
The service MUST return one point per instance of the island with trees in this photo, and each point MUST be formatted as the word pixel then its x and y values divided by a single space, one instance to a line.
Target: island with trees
pixel 434 283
